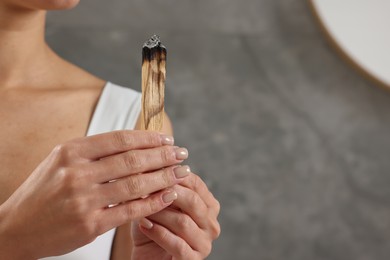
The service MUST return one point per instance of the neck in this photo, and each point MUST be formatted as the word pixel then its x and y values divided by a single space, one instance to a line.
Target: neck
pixel 23 51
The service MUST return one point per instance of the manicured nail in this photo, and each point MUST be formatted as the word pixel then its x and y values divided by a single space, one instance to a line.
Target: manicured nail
pixel 181 171
pixel 167 140
pixel 169 196
pixel 146 223
pixel 181 153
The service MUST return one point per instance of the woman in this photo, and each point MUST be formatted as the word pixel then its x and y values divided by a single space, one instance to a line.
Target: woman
pixel 63 194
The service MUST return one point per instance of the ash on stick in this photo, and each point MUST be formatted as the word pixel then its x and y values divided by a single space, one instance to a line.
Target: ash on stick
pixel 153 84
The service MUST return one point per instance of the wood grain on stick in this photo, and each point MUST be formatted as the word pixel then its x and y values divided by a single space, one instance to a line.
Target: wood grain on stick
pixel 153 84
pixel 152 116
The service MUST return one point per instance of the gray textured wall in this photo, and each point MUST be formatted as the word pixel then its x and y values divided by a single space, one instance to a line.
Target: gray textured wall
pixel 293 142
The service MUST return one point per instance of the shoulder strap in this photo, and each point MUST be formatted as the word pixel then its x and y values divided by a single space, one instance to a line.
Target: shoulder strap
pixel 118 108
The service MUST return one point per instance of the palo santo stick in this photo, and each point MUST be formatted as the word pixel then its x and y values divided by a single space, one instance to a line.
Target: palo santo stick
pixel 153 84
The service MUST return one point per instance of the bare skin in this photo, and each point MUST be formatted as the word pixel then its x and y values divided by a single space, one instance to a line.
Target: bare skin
pixel 46 104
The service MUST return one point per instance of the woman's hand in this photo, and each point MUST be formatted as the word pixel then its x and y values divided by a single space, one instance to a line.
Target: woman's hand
pixel 183 231
pixel 68 200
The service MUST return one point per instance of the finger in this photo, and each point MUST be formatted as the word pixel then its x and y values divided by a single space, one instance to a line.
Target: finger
pixel 140 185
pixel 139 238
pixel 195 183
pixel 136 209
pixel 136 161
pixel 192 204
pixel 102 145
pixel 183 226
pixel 171 243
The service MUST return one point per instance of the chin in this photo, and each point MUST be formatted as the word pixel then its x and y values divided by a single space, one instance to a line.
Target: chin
pixel 46 4
pixel 59 4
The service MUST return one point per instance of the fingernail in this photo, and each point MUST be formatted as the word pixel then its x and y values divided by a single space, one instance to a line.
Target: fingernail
pixel 181 171
pixel 167 140
pixel 169 196
pixel 146 223
pixel 181 153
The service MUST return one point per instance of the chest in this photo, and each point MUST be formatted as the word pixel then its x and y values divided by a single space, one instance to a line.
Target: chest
pixel 32 125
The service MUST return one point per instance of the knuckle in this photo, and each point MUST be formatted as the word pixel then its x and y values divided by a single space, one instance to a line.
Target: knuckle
pixel 167 176
pixel 60 148
pixel 206 249
pixel 64 150
pixel 88 228
pixel 164 235
pixel 194 199
pixel 79 209
pixel 85 172
pixel 121 140
pixel 215 230
pixel 182 251
pixel 133 185
pixel 84 220
pixel 131 213
pixel 167 155
pixel 195 203
pixel 183 222
pixel 154 206
pixel 198 182
pixel 132 161
pixel 195 181
pixel 152 138
pixel 142 208
pixel 68 178
pixel 64 174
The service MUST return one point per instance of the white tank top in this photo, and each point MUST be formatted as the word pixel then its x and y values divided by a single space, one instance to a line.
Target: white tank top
pixel 118 108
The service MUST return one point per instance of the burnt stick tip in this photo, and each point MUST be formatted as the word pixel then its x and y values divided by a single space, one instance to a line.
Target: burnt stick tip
pixel 153 42
pixel 153 50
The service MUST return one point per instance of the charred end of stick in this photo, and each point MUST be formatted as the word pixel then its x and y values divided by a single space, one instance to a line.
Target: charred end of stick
pixel 153 50
pixel 153 42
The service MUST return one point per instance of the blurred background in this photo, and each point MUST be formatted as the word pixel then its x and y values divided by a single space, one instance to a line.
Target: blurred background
pixel 291 139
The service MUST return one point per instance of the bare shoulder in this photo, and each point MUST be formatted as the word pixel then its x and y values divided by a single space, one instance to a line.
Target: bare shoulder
pixel 73 77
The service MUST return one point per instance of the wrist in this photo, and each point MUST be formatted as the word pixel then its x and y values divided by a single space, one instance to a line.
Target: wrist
pixel 10 243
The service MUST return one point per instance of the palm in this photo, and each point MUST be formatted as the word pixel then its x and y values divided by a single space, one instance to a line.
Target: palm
pixel 144 248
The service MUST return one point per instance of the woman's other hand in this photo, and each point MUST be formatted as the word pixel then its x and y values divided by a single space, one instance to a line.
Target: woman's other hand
pixel 183 231
pixel 68 200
